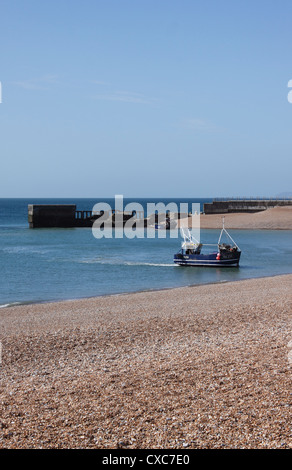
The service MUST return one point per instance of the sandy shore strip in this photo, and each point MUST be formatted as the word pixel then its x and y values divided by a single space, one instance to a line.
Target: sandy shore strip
pixel 276 218
pixel 195 367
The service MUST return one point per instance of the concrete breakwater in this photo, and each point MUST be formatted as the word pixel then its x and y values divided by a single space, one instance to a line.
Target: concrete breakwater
pixel 66 216
pixel 243 205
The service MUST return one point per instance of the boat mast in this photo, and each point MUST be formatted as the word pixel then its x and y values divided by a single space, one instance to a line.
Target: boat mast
pixel 225 231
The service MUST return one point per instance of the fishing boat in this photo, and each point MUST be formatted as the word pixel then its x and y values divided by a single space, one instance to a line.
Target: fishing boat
pixel 165 226
pixel 191 253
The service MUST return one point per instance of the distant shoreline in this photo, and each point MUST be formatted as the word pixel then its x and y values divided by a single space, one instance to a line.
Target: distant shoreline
pixel 276 218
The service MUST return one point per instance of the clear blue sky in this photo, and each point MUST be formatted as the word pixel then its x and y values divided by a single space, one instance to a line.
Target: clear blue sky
pixel 145 98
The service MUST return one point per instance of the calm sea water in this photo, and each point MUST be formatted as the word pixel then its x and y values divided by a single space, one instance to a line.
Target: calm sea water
pixel 53 264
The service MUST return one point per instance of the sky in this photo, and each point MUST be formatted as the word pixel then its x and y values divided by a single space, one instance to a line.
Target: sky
pixel 145 98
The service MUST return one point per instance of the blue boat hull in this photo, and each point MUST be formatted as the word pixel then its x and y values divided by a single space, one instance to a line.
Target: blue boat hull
pixel 211 259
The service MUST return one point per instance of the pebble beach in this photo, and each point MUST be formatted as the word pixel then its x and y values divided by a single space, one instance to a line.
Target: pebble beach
pixel 200 367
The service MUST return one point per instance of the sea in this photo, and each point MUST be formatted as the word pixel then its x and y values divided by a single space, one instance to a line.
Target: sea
pixel 43 265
